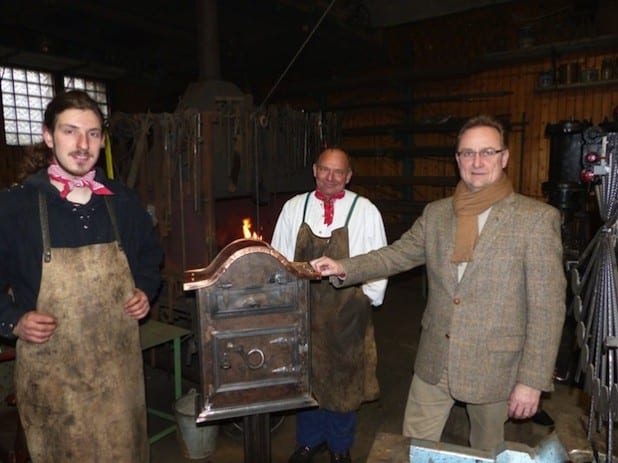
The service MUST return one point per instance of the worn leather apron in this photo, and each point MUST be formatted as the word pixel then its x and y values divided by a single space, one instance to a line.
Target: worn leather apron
pixel 343 351
pixel 81 395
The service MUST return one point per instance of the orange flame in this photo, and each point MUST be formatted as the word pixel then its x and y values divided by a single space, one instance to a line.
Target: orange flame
pixel 246 230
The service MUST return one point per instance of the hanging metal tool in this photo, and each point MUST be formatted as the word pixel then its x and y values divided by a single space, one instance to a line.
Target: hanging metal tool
pixel 141 147
pixel 196 140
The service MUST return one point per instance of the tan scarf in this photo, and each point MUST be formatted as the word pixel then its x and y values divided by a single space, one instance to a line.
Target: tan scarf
pixel 468 205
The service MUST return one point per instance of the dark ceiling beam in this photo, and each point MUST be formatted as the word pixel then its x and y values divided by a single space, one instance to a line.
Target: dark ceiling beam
pixel 391 77
pixel 107 51
pixel 338 16
pixel 406 103
pixel 54 63
pixel 128 19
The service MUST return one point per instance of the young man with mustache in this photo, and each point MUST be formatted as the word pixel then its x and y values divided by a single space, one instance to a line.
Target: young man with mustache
pixel 82 259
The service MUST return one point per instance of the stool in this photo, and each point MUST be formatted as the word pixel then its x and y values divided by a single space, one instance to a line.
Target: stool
pixel 19 452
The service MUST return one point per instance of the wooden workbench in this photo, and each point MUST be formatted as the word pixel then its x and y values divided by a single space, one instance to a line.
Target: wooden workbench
pixel 389 448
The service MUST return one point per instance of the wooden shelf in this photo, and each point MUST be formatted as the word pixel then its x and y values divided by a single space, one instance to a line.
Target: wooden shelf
pixel 577 85
pixel 416 151
pixel 399 180
pixel 405 104
pixel 544 51
pixel 449 126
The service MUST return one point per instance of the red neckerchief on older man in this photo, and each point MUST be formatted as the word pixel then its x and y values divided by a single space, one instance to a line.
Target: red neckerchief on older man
pixel 69 183
pixel 329 206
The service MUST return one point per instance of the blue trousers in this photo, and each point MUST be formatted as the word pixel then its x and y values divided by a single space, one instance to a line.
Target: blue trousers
pixel 318 425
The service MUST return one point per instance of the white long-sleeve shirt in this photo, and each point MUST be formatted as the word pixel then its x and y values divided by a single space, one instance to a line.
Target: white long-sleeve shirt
pixel 365 230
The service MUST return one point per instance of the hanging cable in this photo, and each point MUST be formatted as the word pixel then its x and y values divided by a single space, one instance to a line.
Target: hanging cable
pixel 315 28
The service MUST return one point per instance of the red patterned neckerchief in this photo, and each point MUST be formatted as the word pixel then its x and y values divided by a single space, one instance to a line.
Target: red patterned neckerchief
pixel 329 205
pixel 56 172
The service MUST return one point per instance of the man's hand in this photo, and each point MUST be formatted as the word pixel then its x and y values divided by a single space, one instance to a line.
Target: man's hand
pixel 138 306
pixel 327 266
pixel 523 402
pixel 35 327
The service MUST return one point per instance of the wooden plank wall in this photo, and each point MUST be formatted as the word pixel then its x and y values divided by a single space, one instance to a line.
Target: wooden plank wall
pixel 498 50
pixel 519 99
pixel 10 157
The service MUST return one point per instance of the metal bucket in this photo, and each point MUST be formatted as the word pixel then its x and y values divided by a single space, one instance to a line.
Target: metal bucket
pixel 196 442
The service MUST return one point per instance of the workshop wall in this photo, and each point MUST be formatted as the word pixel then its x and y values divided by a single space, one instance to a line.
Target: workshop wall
pixel 512 93
pixel 404 153
pixel 529 64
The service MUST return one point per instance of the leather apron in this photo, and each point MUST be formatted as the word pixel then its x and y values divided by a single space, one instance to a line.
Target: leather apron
pixel 81 395
pixel 343 351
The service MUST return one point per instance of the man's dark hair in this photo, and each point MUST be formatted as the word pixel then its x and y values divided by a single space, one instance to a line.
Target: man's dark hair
pixel 73 99
pixel 38 156
pixel 483 120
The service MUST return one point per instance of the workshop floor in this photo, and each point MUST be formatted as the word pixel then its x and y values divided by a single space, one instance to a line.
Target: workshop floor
pixel 397 325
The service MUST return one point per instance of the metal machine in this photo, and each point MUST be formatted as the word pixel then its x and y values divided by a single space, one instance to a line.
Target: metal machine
pixel 594 282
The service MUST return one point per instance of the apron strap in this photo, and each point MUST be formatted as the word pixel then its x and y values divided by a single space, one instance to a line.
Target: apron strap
pixel 112 216
pixel 347 220
pixel 306 204
pixel 44 219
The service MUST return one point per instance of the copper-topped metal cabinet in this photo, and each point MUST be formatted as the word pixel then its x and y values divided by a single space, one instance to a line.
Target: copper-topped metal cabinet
pixel 253 331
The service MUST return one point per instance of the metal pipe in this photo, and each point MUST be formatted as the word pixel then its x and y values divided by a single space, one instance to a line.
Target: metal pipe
pixel 208 40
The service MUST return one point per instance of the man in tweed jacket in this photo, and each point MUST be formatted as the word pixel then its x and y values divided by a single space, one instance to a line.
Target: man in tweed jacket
pixel 495 309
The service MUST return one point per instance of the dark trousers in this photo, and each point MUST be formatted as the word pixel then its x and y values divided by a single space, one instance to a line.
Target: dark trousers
pixel 318 425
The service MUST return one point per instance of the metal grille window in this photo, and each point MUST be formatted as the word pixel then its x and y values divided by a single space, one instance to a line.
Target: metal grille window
pixel 25 94
pixel 96 90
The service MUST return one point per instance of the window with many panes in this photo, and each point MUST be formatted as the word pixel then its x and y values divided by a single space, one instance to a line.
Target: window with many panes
pixel 26 93
pixel 96 90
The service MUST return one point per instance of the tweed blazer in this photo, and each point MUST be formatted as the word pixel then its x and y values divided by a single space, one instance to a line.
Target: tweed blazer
pixel 501 324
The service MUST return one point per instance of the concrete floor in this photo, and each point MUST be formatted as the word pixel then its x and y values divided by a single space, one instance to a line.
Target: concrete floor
pixel 397 325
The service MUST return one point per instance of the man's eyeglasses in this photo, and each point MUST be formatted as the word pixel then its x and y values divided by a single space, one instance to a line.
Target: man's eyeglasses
pixel 484 153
